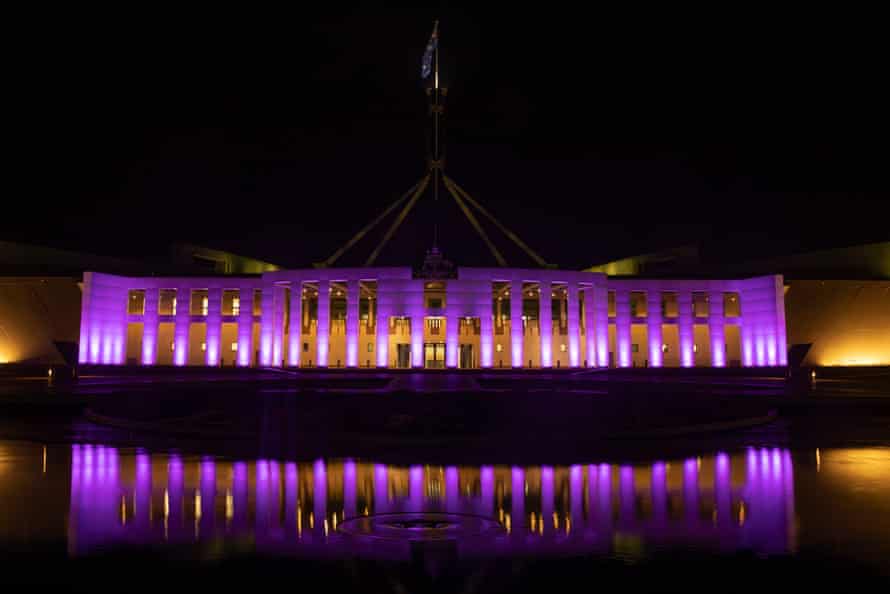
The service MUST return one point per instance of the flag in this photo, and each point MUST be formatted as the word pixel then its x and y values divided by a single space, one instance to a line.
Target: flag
pixel 426 65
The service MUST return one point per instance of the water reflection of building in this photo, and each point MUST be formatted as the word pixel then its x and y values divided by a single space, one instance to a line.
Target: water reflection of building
pixel 722 503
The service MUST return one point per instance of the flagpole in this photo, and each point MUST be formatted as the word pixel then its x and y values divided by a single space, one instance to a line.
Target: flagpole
pixel 436 144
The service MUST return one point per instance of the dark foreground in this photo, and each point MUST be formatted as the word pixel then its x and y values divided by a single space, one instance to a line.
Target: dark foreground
pixel 227 483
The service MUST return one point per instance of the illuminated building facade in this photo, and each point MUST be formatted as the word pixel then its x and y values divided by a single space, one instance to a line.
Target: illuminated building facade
pixel 390 317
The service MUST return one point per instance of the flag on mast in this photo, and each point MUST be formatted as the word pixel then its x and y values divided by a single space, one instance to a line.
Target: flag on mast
pixel 426 65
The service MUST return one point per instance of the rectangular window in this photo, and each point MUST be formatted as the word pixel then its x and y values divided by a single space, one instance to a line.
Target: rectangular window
pixel 434 302
pixel 198 303
pixel 203 346
pixel 136 302
pixel 231 302
pixel 234 346
pixel 370 347
pixel 167 302
pixel 635 348
pixel 305 347
pixel 731 307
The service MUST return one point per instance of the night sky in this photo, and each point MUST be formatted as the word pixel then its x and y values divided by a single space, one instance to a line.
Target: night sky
pixel 593 136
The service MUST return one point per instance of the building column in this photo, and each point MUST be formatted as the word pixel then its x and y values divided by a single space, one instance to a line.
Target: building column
pixel 452 337
pixel 382 335
pixel 86 352
pixel 182 321
pixel 278 299
pixel 622 327
pixel 245 326
pixel 150 327
pixel 516 329
pixel 654 331
pixel 353 294
pixel 763 330
pixel 323 328
pixel 267 324
pixel 573 320
pixel 686 329
pixel 545 323
pixel 486 329
pixel 716 329
pixel 416 317
pixel 601 323
pixel 295 324
pixel 589 341
pixel 214 327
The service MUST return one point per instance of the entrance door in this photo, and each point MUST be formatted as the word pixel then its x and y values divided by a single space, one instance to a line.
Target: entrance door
pixel 466 356
pixel 403 356
pixel 434 355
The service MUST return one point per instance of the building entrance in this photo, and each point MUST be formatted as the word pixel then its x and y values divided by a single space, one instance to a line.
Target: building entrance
pixel 434 355
pixel 403 356
pixel 466 357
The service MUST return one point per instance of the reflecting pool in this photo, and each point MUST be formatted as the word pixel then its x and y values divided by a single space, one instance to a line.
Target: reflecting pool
pixel 768 501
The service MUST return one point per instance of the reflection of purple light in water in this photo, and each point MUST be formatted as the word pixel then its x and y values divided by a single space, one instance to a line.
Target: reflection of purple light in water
pixel 175 485
pixel 142 491
pixel 452 489
pixel 576 495
pixel 659 492
pixel 722 488
pixel 486 478
pixel 262 509
pixel 626 493
pixel 604 497
pixel 690 489
pixel 291 493
pixel 517 502
pixel 320 495
pixel 208 496
pixel 239 496
pixel 415 488
pixel 765 525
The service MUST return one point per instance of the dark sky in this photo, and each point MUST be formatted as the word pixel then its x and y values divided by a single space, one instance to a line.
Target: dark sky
pixel 593 136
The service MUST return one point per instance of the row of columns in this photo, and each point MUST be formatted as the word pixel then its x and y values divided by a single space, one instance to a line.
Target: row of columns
pixel 762 329
pixel 271 336
pixel 685 326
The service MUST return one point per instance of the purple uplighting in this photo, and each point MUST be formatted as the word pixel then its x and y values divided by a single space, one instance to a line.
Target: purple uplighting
pixel 105 321
pixel 566 517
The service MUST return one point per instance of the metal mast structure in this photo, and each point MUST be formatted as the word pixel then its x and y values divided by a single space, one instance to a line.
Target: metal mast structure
pixel 435 173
